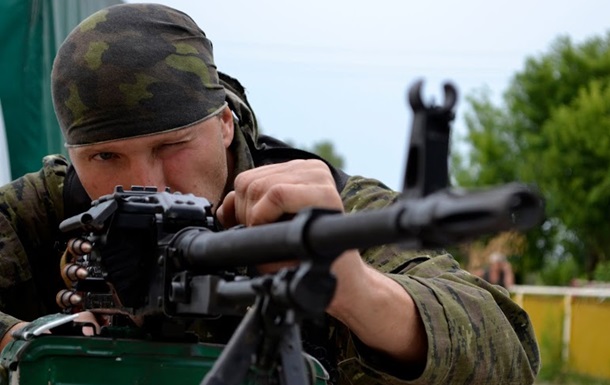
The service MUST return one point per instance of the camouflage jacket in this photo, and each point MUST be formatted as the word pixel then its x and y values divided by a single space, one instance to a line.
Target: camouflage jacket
pixel 476 333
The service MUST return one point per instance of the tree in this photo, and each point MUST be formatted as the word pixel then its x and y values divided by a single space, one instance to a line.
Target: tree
pixel 553 130
pixel 326 150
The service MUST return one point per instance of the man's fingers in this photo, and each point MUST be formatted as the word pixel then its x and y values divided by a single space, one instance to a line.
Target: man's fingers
pixel 92 326
pixel 226 211
pixel 283 199
pixel 308 172
pixel 267 193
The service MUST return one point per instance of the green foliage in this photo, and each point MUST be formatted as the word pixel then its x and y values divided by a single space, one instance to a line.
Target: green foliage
pixel 565 377
pixel 602 272
pixel 490 162
pixel 326 150
pixel 551 345
pixel 553 130
pixel 575 172
pixel 559 272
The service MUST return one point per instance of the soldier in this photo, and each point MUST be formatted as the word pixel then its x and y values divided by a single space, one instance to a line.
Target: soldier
pixel 140 102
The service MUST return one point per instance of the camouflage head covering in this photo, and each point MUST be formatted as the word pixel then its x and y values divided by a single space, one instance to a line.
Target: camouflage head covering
pixel 132 70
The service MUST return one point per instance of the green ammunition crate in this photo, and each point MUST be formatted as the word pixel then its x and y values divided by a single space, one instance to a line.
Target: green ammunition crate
pixel 66 360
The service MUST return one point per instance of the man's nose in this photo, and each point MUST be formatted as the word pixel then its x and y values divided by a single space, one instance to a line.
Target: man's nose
pixel 147 173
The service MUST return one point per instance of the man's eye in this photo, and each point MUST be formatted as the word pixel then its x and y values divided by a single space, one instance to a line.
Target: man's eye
pixel 170 148
pixel 173 144
pixel 104 156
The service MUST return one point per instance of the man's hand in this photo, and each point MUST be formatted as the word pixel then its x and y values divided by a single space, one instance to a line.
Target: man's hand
pixel 89 320
pixel 8 336
pixel 265 194
pixel 376 308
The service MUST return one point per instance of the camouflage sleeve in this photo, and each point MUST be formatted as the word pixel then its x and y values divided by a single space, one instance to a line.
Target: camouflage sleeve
pixel 476 333
pixel 30 208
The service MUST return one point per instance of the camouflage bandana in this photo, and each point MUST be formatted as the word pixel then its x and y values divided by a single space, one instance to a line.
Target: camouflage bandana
pixel 131 70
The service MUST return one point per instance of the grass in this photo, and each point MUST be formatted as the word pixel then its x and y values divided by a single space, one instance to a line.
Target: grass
pixel 573 379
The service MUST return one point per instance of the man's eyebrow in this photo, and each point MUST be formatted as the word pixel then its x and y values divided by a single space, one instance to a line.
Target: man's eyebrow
pixel 118 146
pixel 186 134
pixel 99 148
pixel 95 149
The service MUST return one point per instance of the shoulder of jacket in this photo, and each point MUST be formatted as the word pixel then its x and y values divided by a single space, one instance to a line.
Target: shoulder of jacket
pixel 55 165
pixel 36 199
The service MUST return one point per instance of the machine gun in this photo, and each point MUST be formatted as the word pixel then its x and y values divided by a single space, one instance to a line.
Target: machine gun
pixel 152 252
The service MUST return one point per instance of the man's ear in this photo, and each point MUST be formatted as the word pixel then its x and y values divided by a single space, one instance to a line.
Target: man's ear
pixel 228 127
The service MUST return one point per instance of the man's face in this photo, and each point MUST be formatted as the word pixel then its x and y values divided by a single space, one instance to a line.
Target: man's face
pixel 191 160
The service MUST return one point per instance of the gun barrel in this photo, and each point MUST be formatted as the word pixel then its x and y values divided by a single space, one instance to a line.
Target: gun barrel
pixel 443 218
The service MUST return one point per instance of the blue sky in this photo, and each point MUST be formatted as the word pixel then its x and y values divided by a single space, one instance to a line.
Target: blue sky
pixel 339 70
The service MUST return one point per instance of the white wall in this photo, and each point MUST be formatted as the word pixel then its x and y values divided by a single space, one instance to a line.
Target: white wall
pixel 5 170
